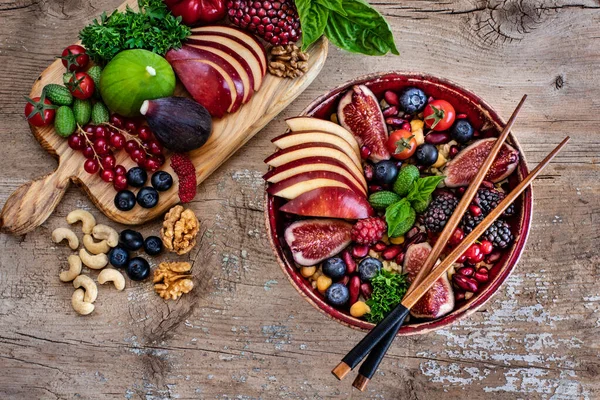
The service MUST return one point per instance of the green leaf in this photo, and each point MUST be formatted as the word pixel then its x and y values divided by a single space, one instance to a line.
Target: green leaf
pixel 423 188
pixel 396 214
pixel 313 19
pixel 334 5
pixel 361 30
pixel 388 290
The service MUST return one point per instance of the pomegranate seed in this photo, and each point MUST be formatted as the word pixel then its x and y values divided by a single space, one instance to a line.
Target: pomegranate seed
pixel 466 271
pixel 360 250
pixel 459 295
pixel 365 152
pixel 476 134
pixel 390 111
pixel 400 258
pixel 379 246
pixel 354 289
pixel 91 166
pixel 430 99
pixel 461 259
pixel 486 247
pixel 120 170
pixel 391 98
pixel 494 256
pixel 375 188
pixel 461 190
pixel 465 283
pixel 453 151
pixel 344 281
pixel 120 182
pixel 368 171
pixel 461 116
pixel 475 210
pixel 366 290
pixel 391 252
pixel 457 236
pixel 473 252
pixel 406 126
pixel 350 263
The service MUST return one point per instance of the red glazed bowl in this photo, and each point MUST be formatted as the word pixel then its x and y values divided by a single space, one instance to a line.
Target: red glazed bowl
pixel 486 120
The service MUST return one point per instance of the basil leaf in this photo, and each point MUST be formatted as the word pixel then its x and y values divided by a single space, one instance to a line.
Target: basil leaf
pixel 423 188
pixel 396 214
pixel 333 5
pixel 313 19
pixel 361 30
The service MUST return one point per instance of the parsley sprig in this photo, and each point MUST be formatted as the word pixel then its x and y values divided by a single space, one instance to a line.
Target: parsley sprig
pixel 153 28
pixel 388 290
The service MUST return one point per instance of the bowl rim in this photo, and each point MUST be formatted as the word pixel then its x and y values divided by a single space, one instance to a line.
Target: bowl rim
pixel 469 307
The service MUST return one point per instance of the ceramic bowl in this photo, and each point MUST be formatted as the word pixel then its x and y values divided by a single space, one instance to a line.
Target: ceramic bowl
pixel 484 119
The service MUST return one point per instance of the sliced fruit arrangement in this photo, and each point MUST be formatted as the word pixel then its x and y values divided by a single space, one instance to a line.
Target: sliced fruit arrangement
pixel 377 188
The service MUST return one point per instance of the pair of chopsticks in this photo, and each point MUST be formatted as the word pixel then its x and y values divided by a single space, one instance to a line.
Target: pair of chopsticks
pixel 376 343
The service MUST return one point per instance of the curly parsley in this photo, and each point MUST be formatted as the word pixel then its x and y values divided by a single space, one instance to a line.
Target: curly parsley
pixel 388 290
pixel 153 28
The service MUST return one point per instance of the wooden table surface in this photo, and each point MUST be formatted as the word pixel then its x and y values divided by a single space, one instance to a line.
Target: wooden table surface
pixel 244 332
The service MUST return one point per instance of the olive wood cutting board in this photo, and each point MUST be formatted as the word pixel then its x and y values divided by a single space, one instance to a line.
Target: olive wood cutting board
pixel 31 204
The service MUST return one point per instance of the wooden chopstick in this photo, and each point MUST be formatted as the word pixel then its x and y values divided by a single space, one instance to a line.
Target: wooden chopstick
pixel 371 364
pixel 370 340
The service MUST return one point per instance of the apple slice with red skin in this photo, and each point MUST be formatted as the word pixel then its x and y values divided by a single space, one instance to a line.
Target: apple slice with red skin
pixel 189 53
pixel 294 186
pixel 330 202
pixel 312 164
pixel 295 138
pixel 301 124
pixel 231 47
pixel 305 150
pixel 208 84
pixel 237 34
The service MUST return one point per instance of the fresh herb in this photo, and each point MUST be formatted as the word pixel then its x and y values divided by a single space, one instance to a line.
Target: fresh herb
pixel 351 25
pixel 153 28
pixel 398 216
pixel 388 290
pixel 423 187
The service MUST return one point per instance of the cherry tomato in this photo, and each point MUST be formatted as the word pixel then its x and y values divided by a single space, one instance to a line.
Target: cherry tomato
pixel 74 58
pixel 486 247
pixel 439 115
pixel 81 86
pixel 401 144
pixel 39 111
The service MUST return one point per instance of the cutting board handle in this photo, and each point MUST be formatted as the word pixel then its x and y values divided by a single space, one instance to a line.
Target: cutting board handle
pixel 31 204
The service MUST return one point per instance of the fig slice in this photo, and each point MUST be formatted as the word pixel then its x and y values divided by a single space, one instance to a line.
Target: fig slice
pixel 329 202
pixel 314 240
pixel 358 111
pixel 461 170
pixel 439 300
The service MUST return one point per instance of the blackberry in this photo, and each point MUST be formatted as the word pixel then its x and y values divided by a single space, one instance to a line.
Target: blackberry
pixel 488 199
pixel 470 221
pixel 439 211
pixel 499 234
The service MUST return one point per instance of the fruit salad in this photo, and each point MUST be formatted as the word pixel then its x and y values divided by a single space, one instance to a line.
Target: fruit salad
pixel 366 193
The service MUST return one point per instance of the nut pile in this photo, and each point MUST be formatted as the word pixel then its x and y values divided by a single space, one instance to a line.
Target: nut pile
pixel 288 61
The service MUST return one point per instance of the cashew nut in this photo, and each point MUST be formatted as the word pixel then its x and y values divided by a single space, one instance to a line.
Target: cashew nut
pixel 91 290
pixel 82 307
pixel 98 261
pixel 60 234
pixel 87 219
pixel 95 247
pixel 112 275
pixel 107 233
pixel 74 269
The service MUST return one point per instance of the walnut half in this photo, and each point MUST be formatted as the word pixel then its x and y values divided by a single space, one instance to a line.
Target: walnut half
pixel 171 279
pixel 179 230
pixel 288 61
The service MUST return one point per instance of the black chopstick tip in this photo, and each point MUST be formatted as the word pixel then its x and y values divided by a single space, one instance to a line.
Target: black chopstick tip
pixel 341 370
pixel 361 382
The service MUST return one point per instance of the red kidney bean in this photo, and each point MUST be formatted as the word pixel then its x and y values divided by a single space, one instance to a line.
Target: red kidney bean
pixel 465 283
pixel 408 117
pixel 494 256
pixel 394 121
pixel 366 290
pixel 466 271
pixel 360 250
pixel 344 281
pixel 400 258
pixel 482 275
pixel 412 232
pixel 430 99
pixel 437 138
pixel 459 295
pixel 354 289
pixel 375 188
pixel 390 111
pixel 365 152
pixel 391 98
pixel 461 190
pixel 453 151
pixel 368 171
pixel 487 184
pixel 406 126
pixel 350 263
pixel 476 133
pixel 391 252
pixel 418 238
pixel 379 246
pixel 461 116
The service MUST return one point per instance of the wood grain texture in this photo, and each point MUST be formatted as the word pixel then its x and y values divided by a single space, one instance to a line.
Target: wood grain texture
pixel 244 332
pixel 31 204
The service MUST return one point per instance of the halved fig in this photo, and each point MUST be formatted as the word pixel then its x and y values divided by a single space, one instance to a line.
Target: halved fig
pixel 461 170
pixel 298 124
pixel 359 112
pixel 329 202
pixel 294 186
pixel 314 240
pixel 439 300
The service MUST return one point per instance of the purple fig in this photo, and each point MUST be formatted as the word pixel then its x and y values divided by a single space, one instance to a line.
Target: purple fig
pixel 314 240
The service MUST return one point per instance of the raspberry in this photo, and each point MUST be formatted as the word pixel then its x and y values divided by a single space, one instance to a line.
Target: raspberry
pixel 368 231
pixel 275 21
pixel 186 173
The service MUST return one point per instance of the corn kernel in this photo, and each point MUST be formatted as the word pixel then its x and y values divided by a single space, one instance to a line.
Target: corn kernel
pixel 323 283
pixel 359 309
pixel 334 118
pixel 308 271
pixel 416 124
pixel 440 162
pixel 419 137
pixel 397 240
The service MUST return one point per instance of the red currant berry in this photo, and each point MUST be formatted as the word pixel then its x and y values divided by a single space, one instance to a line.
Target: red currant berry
pixel 131 146
pixel 144 133
pixel 116 120
pixel 101 132
pixel 131 126
pixel 457 236
pixel 138 156
pixel 76 142
pixel 120 182
pixel 151 164
pixel 89 128
pixel 107 175
pixel 117 141
pixel 88 152
pixel 461 259
pixel 120 170
pixel 108 161
pixel 101 146
pixel 154 148
pixel 486 247
pixel 91 166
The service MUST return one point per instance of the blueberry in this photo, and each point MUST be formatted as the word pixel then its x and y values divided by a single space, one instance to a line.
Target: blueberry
pixel 153 245
pixel 131 239
pixel 385 172
pixel 368 268
pixel 335 268
pixel 462 131
pixel 138 269
pixel 427 154
pixel 136 177
pixel 118 256
pixel 413 100
pixel 147 197
pixel 337 294
pixel 125 200
pixel 161 181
